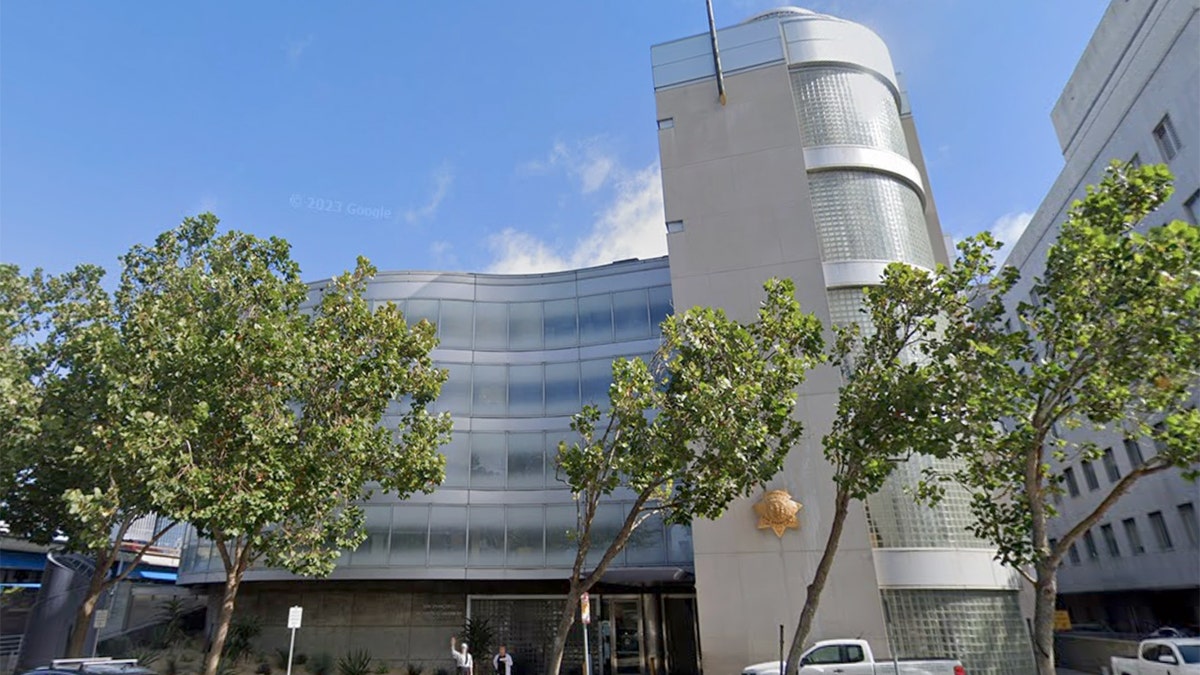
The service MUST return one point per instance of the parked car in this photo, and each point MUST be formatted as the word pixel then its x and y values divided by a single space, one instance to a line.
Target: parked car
pixel 1162 656
pixel 95 666
pixel 854 657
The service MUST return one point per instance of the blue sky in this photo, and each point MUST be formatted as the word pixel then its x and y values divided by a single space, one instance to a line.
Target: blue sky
pixel 516 136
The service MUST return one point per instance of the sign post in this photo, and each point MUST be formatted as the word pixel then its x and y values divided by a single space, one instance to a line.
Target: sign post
pixel 294 616
pixel 585 616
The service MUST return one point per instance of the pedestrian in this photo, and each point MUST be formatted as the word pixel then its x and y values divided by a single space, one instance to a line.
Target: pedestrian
pixel 463 663
pixel 502 662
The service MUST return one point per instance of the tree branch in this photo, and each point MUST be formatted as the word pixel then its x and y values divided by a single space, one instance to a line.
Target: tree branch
pixel 1097 513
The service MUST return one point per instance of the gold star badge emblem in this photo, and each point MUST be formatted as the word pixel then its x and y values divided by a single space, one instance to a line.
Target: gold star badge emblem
pixel 777 511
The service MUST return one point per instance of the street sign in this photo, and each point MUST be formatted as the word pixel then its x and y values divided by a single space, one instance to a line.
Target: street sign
pixel 1062 619
pixel 585 609
pixel 101 618
pixel 294 614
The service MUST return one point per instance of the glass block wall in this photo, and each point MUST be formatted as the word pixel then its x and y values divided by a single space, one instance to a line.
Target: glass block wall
pixel 839 105
pixel 978 627
pixel 868 216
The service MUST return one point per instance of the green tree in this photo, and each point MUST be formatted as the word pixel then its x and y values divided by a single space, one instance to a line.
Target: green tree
pixel 884 405
pixel 292 406
pixel 69 452
pixel 1109 339
pixel 708 420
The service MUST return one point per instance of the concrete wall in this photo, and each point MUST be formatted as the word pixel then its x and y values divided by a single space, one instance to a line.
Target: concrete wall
pixel 396 626
pixel 736 177
pixel 1139 66
pixel 1090 654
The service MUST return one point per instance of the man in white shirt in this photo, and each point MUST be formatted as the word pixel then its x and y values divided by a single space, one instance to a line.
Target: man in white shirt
pixel 462 658
pixel 502 659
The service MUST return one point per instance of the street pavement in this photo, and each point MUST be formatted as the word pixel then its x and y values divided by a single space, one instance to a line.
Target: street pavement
pixel 1068 671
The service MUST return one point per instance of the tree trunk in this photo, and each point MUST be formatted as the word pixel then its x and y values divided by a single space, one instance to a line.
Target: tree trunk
pixel 565 622
pixel 83 616
pixel 233 579
pixel 812 597
pixel 1045 593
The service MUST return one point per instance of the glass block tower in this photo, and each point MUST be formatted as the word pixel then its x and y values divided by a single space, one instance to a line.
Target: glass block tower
pixel 811 169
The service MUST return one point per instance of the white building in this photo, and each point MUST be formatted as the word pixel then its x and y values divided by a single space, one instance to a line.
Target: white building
pixel 1135 96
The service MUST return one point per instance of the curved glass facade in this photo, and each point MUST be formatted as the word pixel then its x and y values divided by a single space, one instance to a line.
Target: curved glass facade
pixel 839 105
pixel 520 364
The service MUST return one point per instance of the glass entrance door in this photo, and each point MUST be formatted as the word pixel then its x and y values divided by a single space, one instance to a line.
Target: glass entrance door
pixel 627 653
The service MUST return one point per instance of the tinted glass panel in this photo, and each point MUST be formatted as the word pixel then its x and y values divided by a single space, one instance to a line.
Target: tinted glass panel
pixel 596 376
pixel 491 325
pixel 416 310
pixel 525 466
pixel 647 544
pixel 679 543
pixel 410 535
pixel 374 549
pixel 525 531
pixel 559 323
pixel 456 390
pixel 525 325
pixel 448 536
pixel 486 542
pixel 660 305
pixel 560 548
pixel 553 438
pixel 606 524
pixel 487 460
pixel 631 316
pixel 456 325
pixel 562 388
pixel 595 319
pixel 458 459
pixel 490 391
pixel 525 390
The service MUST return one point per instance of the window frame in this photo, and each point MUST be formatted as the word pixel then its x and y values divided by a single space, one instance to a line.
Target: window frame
pixel 1166 138
pixel 1162 534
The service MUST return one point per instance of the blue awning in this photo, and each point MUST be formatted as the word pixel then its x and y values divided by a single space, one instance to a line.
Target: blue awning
pixel 153 575
pixel 22 560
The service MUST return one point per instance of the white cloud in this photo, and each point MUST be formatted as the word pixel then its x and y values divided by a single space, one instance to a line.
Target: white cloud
pixel 587 161
pixel 295 49
pixel 443 177
pixel 443 254
pixel 1007 229
pixel 631 225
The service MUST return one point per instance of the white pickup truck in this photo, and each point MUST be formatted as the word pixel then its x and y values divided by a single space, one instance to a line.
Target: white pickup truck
pixel 1162 656
pixel 854 657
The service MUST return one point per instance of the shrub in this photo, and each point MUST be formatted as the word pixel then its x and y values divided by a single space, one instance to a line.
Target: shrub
pixel 412 669
pixel 320 664
pixel 241 637
pixel 263 668
pixel 145 656
pixel 478 633
pixel 357 662
pixel 382 669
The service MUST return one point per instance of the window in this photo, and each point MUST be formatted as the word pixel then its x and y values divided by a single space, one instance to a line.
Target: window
pixel 1089 542
pixel 525 390
pixel 525 325
pixel 1110 540
pixel 660 306
pixel 1134 537
pixel 674 226
pixel 1110 466
pixel 559 325
pixel 1192 206
pixel 1134 451
pixel 631 315
pixel 1160 434
pixel 823 655
pixel 456 324
pixel 562 388
pixel 526 466
pixel 1168 141
pixel 489 396
pixel 448 536
pixel 1073 554
pixel 1089 475
pixel 491 325
pixel 1161 533
pixel 488 461
pixel 1072 486
pixel 595 319
pixel 667 123
pixel 1187 513
pixel 485 539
